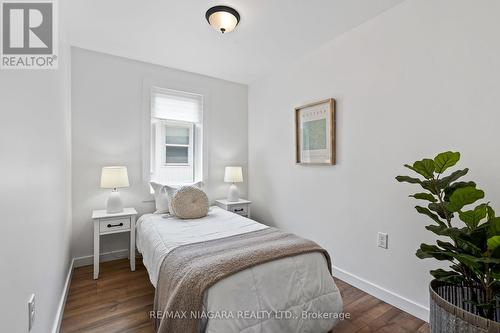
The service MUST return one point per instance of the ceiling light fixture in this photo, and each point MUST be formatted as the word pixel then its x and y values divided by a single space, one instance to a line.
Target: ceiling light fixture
pixel 222 18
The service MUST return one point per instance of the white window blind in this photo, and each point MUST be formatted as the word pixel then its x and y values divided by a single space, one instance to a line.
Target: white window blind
pixel 177 105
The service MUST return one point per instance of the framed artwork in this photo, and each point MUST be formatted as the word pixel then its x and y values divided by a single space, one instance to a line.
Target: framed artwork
pixel 315 133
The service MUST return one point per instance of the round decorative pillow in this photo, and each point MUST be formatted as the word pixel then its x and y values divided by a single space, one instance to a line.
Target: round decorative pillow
pixel 189 202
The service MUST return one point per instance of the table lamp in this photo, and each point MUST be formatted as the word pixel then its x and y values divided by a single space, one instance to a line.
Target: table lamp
pixel 114 177
pixel 233 174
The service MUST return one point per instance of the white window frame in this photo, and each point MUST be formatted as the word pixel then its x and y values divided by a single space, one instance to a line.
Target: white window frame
pixel 190 145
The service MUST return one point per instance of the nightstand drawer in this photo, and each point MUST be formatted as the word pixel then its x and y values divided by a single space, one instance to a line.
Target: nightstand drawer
pixel 112 225
pixel 239 209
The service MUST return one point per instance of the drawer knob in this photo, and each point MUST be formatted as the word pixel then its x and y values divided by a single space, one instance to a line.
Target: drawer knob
pixel 239 210
pixel 115 225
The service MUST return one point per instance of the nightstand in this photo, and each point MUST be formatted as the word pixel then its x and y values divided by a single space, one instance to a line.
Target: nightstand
pixel 240 207
pixel 105 224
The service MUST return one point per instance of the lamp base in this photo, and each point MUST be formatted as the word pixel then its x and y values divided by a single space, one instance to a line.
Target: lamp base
pixel 114 203
pixel 233 194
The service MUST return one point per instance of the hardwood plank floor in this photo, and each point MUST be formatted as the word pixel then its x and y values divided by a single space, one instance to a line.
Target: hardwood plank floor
pixel 120 301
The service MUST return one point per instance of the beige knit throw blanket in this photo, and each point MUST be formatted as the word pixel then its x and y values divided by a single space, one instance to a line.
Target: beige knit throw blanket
pixel 189 270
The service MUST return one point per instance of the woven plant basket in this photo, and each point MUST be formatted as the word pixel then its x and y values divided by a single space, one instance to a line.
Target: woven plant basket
pixel 450 314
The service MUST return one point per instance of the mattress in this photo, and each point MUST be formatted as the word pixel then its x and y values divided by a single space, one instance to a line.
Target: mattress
pixel 295 294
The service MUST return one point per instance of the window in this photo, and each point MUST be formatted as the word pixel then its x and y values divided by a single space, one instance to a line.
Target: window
pixel 176 136
pixel 178 143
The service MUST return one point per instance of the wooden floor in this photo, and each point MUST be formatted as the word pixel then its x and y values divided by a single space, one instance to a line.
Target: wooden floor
pixel 120 301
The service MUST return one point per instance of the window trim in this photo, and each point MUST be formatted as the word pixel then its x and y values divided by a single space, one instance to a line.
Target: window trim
pixel 149 84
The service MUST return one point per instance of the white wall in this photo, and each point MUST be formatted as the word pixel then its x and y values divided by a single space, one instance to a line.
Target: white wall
pixel 419 79
pixel 107 116
pixel 34 193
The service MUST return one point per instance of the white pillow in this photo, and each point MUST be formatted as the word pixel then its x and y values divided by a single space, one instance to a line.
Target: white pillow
pixel 163 195
pixel 161 198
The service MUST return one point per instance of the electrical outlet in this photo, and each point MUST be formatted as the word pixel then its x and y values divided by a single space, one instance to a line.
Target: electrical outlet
pixel 31 312
pixel 382 240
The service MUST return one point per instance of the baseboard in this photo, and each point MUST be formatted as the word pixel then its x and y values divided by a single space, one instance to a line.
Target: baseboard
pixel 62 301
pixel 78 262
pixel 106 256
pixel 385 295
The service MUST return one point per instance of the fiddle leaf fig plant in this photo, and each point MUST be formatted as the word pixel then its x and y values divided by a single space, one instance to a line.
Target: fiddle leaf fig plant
pixel 468 231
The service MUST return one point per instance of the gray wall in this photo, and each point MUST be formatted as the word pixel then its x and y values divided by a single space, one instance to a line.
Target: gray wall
pixel 107 117
pixel 35 193
pixel 417 80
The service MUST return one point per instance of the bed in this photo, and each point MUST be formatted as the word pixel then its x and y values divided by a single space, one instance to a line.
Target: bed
pixel 300 287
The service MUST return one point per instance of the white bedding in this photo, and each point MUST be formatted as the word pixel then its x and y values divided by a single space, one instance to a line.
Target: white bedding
pixel 286 287
pixel 158 234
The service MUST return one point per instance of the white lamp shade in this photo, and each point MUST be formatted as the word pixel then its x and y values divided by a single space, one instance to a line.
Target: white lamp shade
pixel 233 174
pixel 114 177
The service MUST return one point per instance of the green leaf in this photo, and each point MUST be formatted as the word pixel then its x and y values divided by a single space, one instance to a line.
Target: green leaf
pixel 464 196
pixel 447 246
pixel 494 227
pixel 466 246
pixel 448 191
pixel 470 261
pixel 443 230
pixel 424 196
pixel 479 235
pixel 447 276
pixel 488 260
pixel 464 243
pixel 424 167
pixel 440 209
pixel 493 243
pixel 491 213
pixel 445 160
pixel 463 246
pixel 407 179
pixel 426 211
pixel 437 229
pixel 445 181
pixel 472 217
pixel 431 186
pixel 432 251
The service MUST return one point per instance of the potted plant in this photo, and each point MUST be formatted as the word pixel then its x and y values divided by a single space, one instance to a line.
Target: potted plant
pixel 465 297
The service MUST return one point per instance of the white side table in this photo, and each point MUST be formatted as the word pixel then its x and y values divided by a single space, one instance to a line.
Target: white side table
pixel 105 224
pixel 240 207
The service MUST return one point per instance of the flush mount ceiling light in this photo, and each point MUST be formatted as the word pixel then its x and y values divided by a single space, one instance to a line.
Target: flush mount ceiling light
pixel 222 18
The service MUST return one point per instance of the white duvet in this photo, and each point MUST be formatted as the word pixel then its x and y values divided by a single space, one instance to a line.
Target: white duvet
pixel 294 294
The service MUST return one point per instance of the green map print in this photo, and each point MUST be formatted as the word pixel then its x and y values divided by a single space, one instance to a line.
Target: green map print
pixel 314 135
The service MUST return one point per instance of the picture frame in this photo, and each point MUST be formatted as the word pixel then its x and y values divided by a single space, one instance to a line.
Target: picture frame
pixel 315 133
